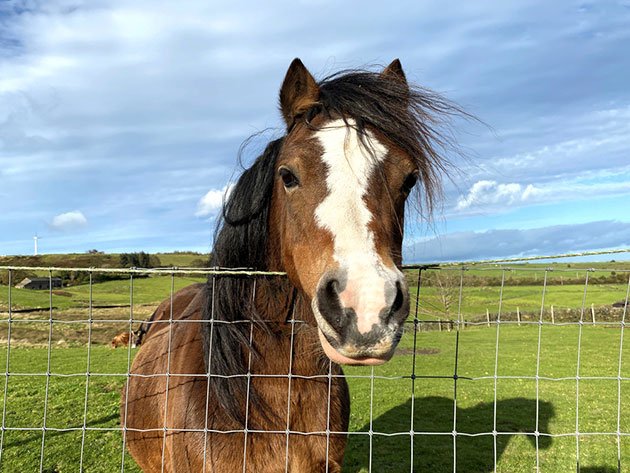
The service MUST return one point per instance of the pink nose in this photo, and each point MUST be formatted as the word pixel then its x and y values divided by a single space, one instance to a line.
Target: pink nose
pixel 363 317
pixel 369 301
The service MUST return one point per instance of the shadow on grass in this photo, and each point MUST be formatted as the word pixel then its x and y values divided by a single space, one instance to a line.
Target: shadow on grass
pixel 36 438
pixel 433 442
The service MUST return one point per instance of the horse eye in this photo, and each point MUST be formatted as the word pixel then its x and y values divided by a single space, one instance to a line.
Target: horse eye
pixel 288 178
pixel 410 181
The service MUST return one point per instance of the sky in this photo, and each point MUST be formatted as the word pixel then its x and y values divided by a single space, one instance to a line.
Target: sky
pixel 120 122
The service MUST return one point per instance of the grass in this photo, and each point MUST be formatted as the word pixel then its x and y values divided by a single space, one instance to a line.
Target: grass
pixel 111 310
pixel 433 402
pixel 475 300
pixel 429 401
pixel 555 271
pixel 151 290
pixel 516 403
pixel 25 408
pixel 181 259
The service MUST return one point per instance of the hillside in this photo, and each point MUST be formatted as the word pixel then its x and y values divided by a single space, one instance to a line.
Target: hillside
pixel 103 260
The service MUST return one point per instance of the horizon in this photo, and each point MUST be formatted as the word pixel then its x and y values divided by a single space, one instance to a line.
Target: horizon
pixel 612 256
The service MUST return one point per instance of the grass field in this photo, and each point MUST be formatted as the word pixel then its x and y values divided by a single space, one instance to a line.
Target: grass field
pixel 475 299
pixel 151 290
pixel 391 407
pixel 555 402
pixel 111 302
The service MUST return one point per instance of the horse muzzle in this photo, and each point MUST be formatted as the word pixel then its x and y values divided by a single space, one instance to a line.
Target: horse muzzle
pixel 361 320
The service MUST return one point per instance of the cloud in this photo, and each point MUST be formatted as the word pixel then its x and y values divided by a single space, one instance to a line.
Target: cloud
pixel 212 201
pixel 593 139
pixel 487 196
pixel 69 221
pixel 490 192
pixel 462 246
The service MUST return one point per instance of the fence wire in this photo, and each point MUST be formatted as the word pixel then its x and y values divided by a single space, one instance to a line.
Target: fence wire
pixel 493 347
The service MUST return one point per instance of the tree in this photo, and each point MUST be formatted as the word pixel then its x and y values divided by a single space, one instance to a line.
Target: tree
pixel 447 285
pixel 139 260
pixel 17 275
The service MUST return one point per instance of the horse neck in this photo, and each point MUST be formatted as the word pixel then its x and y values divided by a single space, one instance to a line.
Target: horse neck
pixel 277 301
pixel 289 341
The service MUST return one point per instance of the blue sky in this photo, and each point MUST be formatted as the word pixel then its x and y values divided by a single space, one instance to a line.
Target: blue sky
pixel 120 121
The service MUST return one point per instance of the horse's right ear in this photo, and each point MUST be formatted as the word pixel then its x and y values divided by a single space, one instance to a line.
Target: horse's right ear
pixel 299 92
pixel 395 71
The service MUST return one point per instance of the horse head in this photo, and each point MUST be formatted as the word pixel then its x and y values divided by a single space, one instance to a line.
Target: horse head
pixel 337 210
pixel 356 146
pixel 326 202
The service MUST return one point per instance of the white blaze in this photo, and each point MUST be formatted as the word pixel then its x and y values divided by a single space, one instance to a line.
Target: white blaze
pixel 345 214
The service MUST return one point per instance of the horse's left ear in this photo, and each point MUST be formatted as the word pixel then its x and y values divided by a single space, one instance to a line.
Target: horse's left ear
pixel 299 92
pixel 395 71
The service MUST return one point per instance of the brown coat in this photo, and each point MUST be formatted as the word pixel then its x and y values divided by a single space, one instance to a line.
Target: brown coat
pixel 150 409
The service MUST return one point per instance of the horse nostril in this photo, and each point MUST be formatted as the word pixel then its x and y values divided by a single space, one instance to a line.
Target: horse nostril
pixel 332 288
pixel 330 306
pixel 398 301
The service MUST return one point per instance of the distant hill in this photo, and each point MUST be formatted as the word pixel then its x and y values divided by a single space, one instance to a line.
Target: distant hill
pixel 184 259
pixel 104 260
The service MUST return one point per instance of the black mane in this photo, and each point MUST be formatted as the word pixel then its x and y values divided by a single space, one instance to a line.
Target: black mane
pixel 409 116
pixel 241 242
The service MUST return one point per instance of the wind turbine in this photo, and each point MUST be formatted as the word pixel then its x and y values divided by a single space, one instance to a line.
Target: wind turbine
pixel 35 238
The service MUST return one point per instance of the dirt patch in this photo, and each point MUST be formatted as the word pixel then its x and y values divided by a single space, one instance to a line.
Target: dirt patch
pixel 62 293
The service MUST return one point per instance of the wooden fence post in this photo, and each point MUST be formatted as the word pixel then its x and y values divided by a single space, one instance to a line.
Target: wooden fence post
pixel 488 317
pixel 518 316
pixel 553 318
pixel 593 313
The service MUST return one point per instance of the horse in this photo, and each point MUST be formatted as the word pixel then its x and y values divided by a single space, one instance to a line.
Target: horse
pixel 120 340
pixel 243 373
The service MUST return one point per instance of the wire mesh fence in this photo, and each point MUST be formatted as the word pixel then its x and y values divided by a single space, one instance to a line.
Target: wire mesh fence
pixel 502 367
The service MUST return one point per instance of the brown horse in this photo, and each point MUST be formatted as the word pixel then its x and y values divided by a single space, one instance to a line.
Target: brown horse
pixel 242 374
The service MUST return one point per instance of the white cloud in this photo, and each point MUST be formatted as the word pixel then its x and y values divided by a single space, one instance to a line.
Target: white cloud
pixel 212 201
pixel 486 196
pixel 69 221
pixel 486 192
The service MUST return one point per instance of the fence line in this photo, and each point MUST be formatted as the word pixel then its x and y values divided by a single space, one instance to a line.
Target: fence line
pixel 460 375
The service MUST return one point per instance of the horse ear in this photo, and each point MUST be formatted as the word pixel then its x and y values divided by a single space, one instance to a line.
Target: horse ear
pixel 395 71
pixel 299 92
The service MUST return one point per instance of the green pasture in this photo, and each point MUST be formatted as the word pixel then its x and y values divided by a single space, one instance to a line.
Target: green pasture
pixel 112 307
pixel 145 290
pixel 436 303
pixel 428 402
pixel 522 403
pixel 443 302
pixel 555 271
